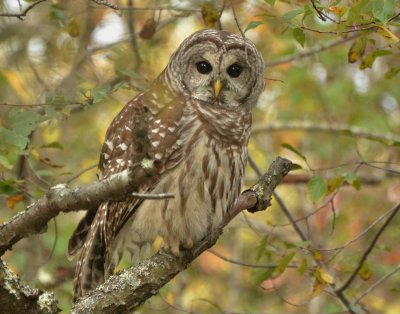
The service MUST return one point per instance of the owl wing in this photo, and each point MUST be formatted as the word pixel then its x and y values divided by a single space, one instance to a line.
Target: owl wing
pixel 157 114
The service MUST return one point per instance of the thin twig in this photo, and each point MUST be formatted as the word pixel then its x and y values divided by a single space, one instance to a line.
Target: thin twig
pixel 23 13
pixel 311 52
pixel 371 246
pixel 132 34
pixel 337 129
pixel 76 176
pixel 377 283
pixel 289 216
pixel 237 21
pixel 321 16
pixel 361 234
pixel 226 259
pixel 106 4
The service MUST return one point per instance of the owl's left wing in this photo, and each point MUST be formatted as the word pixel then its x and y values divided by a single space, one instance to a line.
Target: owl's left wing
pixel 143 121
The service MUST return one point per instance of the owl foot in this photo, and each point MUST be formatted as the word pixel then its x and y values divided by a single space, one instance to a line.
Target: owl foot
pixel 174 245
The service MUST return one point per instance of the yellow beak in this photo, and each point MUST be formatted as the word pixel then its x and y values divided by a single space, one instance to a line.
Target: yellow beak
pixel 217 87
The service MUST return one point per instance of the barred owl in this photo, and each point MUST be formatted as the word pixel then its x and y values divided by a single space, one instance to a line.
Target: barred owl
pixel 198 120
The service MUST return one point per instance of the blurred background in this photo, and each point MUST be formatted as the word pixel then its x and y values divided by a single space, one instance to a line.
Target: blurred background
pixel 331 105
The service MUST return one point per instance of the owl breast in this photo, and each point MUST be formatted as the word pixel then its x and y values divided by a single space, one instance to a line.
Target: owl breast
pixel 205 184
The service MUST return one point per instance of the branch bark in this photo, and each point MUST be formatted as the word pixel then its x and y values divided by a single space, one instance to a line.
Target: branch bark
pixel 61 198
pixel 16 297
pixel 131 287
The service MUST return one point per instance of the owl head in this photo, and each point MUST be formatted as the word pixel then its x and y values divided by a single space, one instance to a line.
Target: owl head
pixel 218 68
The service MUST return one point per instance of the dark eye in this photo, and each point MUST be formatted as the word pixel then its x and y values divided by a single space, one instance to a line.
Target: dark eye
pixel 203 67
pixel 234 70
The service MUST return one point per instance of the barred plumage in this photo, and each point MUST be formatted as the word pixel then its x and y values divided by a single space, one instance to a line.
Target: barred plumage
pixel 198 125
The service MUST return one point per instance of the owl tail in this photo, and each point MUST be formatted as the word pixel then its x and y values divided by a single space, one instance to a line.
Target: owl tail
pixel 89 272
pixel 78 238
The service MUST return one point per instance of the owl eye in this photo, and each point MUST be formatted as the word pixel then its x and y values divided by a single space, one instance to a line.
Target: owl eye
pixel 234 70
pixel 203 67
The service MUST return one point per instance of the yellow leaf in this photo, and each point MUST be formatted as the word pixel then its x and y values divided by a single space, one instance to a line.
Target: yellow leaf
pixel 318 256
pixel 12 200
pixel 317 289
pixel 357 49
pixel 326 277
pixel 210 14
pixel 73 28
pixel 365 272
pixel 339 11
pixel 16 83
pixel 386 33
pixel 35 154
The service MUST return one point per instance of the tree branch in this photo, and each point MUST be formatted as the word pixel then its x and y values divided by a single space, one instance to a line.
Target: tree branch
pixel 369 249
pixel 131 287
pixel 310 126
pixel 311 52
pixel 16 297
pixel 61 198
pixel 23 13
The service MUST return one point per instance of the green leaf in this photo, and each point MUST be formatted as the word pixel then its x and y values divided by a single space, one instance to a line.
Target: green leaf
pixel 299 35
pixel 283 264
pixel 335 183
pixel 252 25
pixel 100 93
pixel 354 180
pixel 44 173
pixel 357 49
pixel 383 10
pixel 291 14
pixel 392 73
pixel 260 275
pixel 5 162
pixel 316 188
pixel 369 59
pixel 260 249
pixel 56 145
pixel 24 121
pixel 270 2
pixel 378 10
pixel 294 150
pixel 8 187
pixel 12 138
pixel 303 266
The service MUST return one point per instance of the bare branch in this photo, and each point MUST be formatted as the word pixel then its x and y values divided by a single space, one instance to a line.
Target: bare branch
pixel 237 21
pixel 130 288
pixel 106 4
pixel 229 260
pixel 337 129
pixel 61 198
pixel 377 283
pixel 23 13
pixel 370 247
pixel 132 34
pixel 311 52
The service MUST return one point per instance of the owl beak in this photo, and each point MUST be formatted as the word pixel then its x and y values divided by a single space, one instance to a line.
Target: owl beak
pixel 217 87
